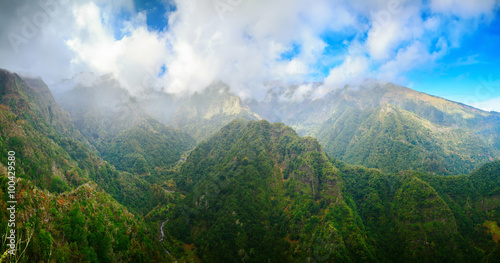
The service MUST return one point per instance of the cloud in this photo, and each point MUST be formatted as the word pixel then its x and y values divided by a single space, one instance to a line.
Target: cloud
pixel 410 57
pixel 242 45
pixel 464 8
pixel 489 105
pixel 240 42
pixel 402 39
pixel 33 36
pixel 352 69
pixel 133 59
pixel 391 27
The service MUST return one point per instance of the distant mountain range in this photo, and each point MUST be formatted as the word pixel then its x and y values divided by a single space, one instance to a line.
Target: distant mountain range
pixel 393 128
pixel 374 124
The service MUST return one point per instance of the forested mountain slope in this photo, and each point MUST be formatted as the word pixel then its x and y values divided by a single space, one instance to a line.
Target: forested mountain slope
pixel 51 152
pixel 101 109
pixel 258 192
pixel 62 215
pixel 82 225
pixel 254 191
pixel 392 139
pixel 386 126
pixel 112 120
pixel 146 146
pixel 201 114
pixel 374 124
pixel 418 217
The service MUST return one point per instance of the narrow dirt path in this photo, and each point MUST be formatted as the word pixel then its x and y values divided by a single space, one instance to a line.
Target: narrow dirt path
pixel 161 240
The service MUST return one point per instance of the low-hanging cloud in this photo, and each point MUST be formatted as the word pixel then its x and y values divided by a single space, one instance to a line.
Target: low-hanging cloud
pixel 240 42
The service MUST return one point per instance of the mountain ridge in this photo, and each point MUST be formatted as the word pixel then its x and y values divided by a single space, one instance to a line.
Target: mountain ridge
pixel 349 107
pixel 252 191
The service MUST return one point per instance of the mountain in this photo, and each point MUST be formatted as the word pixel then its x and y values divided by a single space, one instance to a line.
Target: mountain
pixel 418 217
pixel 81 225
pixel 101 108
pixel 147 146
pixel 258 192
pixel 51 152
pixel 32 99
pixel 389 127
pixel 252 191
pixel 123 132
pixel 393 139
pixel 374 124
pixel 201 114
pixel 64 210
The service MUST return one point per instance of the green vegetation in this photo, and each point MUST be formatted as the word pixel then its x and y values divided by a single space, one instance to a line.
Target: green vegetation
pixel 392 140
pixel 55 162
pixel 258 192
pixel 202 115
pixel 82 225
pixel 147 146
pixel 263 179
pixel 389 127
pixel 417 217
pixel 255 191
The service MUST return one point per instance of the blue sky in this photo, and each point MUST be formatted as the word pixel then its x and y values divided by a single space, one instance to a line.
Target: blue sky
pixel 157 13
pixel 468 72
pixel 446 48
pixel 470 69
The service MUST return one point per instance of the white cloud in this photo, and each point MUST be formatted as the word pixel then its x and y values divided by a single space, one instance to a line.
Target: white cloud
pixel 44 51
pixel 489 105
pixel 239 42
pixel 134 60
pixel 410 57
pixel 464 8
pixel 353 69
pixel 244 48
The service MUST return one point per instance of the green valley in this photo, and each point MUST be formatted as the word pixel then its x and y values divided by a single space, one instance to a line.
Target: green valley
pixel 109 180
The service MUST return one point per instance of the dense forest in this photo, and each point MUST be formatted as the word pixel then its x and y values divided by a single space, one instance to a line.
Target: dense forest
pixel 258 192
pixel 67 209
pixel 136 189
pixel 389 127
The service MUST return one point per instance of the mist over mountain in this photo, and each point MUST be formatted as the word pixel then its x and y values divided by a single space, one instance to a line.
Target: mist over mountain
pixel 67 195
pixel 373 123
pixel 381 125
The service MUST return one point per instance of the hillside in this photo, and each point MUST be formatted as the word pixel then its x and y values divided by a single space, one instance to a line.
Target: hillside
pixel 124 133
pixel 255 184
pixel 375 124
pixel 146 146
pixel 101 109
pixel 62 215
pixel 52 153
pixel 385 126
pixel 253 191
pixel 82 225
pixel 201 114
pixel 257 192
pixel 417 217
pixel 392 139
